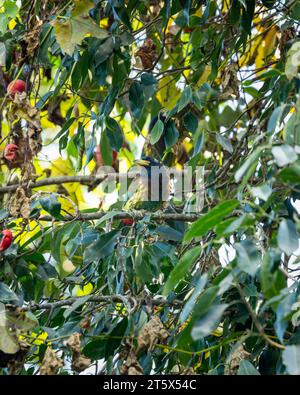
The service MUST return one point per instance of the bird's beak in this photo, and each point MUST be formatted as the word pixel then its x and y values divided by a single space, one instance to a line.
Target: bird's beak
pixel 141 162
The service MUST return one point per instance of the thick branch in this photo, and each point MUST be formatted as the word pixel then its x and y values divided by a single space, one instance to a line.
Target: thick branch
pixel 136 215
pixel 96 299
pixel 86 180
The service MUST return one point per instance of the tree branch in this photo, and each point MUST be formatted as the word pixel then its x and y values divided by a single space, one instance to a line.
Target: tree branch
pixel 97 299
pixel 136 215
pixel 85 180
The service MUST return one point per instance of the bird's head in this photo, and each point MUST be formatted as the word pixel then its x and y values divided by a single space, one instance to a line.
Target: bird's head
pixel 147 162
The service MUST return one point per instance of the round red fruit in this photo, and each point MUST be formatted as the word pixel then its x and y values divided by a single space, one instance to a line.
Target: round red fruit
pixel 16 86
pixel 127 221
pixel 6 240
pixel 10 152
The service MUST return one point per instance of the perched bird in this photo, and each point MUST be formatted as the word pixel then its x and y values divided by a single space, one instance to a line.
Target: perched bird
pixel 153 186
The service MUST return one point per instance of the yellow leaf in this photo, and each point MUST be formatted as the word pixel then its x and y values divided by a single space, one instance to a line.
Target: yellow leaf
pixel 266 47
pixel 251 52
pixel 86 290
pixel 11 24
pixel 168 94
pixel 104 23
pixel 31 230
pixel 36 338
pixel 218 332
pixel 204 76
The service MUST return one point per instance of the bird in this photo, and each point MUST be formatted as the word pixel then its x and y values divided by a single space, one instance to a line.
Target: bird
pixel 143 197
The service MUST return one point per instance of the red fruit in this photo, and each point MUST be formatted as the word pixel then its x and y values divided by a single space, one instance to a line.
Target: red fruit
pixel 127 221
pixel 16 86
pixel 10 152
pixel 6 240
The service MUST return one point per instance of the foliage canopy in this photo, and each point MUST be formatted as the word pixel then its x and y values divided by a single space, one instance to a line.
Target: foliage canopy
pixel 214 292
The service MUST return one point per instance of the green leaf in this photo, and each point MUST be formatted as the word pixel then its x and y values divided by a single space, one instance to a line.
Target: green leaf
pixel 287 237
pixel 291 131
pixel 148 79
pixel 209 220
pixel 231 225
pixel 293 61
pixel 11 8
pixel 294 11
pixel 79 302
pixel 248 164
pixel 171 134
pixel 275 118
pixel 157 131
pixel 246 368
pixel 185 98
pixel 247 15
pixel 206 300
pixel 114 133
pixel 6 294
pixel 116 337
pixel 82 7
pixel 209 322
pixel 284 154
pixel 224 142
pixel 262 192
pixel 290 174
pixel 136 99
pixel 64 129
pixel 190 122
pixel 105 148
pixel 8 341
pixel 190 304
pixel 95 349
pixel 291 359
pixel 180 270
pixel 248 257
pixel 51 205
pixel 271 279
pixel 102 247
pixel 168 233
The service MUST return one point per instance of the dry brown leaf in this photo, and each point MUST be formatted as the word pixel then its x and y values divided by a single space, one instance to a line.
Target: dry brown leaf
pixel 32 37
pixel 51 363
pixel 147 54
pixel 230 82
pixel 235 359
pixel 79 361
pixel 131 366
pixel 73 342
pixel 20 204
pixel 152 333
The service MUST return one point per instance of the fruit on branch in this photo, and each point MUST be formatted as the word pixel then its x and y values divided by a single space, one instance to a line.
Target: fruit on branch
pixel 10 152
pixel 127 221
pixel 6 240
pixel 16 86
pixel 17 154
